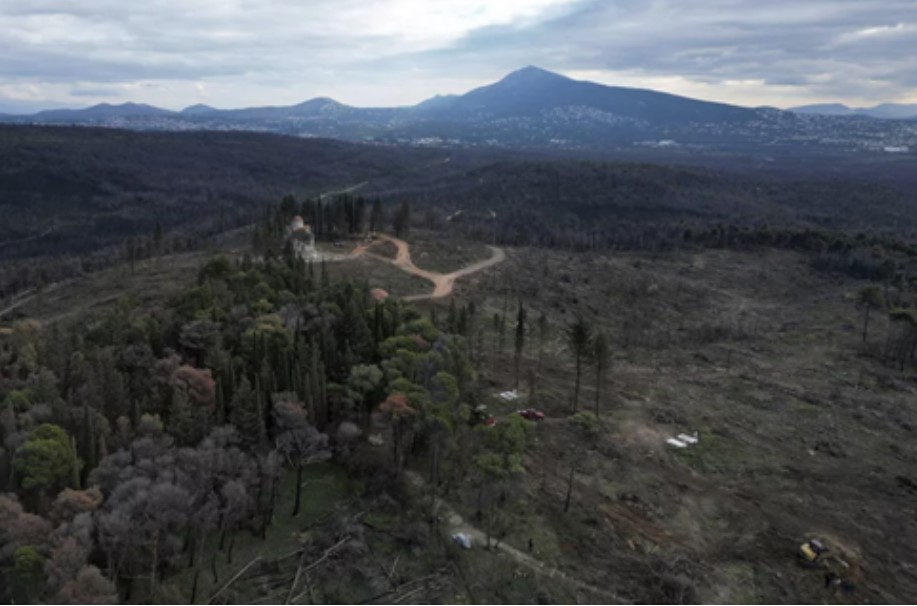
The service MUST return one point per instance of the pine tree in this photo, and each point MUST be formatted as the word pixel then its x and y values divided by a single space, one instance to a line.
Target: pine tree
pixel 452 318
pixel 600 356
pixel 325 280
pixel 88 442
pixel 376 216
pixel 579 340
pixel 519 343
pixel 543 328
pixel 402 221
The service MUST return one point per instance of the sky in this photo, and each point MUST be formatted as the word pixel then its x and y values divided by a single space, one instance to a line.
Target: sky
pixel 239 53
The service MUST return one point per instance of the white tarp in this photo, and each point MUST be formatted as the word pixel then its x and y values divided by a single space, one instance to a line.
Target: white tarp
pixel 682 440
pixel 462 540
pixel 688 439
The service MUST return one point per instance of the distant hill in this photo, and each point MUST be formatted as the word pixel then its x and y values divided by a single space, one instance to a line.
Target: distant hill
pixel 532 91
pixel 102 111
pixel 535 109
pixel 77 190
pixel 197 109
pixel 891 111
pixel 824 109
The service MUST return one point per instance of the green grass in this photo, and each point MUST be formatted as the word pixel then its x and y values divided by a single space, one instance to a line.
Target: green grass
pixel 324 487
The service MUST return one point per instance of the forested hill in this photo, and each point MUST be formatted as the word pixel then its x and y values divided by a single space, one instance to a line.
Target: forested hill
pixel 71 190
pixel 82 188
pixel 133 440
pixel 78 199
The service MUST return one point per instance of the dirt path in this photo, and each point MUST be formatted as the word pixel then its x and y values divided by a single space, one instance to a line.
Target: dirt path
pixel 442 283
pixel 29 295
pixel 454 523
pixel 16 304
pixel 346 190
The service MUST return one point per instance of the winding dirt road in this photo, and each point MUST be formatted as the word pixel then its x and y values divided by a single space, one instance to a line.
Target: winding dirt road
pixel 442 283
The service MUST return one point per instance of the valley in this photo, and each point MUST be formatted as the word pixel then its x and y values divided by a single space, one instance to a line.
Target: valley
pixel 398 302
pixel 498 347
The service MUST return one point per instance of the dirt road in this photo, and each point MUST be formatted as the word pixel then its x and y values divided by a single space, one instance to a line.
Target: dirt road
pixel 442 283
pixel 454 523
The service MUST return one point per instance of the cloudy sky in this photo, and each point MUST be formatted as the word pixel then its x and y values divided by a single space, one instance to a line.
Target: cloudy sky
pixel 233 53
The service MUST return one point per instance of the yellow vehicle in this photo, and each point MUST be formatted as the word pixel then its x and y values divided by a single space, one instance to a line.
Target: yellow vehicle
pixel 807 553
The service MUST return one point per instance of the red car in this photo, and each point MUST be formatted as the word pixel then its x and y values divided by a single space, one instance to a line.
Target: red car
pixel 531 414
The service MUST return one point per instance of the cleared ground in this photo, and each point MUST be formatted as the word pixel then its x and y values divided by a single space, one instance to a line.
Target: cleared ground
pixel 801 434
pixel 442 252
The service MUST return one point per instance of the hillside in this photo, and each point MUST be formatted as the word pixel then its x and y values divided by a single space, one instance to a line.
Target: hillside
pixel 72 190
pixel 79 189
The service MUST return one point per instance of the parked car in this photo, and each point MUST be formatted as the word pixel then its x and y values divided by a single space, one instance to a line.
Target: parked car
pixel 531 414
pixel 482 416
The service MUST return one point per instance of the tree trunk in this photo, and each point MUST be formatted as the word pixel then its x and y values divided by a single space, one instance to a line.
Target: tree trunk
pixel 598 389
pixel 569 489
pixel 270 512
pixel 192 547
pixel 194 587
pixel 258 499
pixel 155 563
pixel 434 477
pixel 480 510
pixel 298 489
pixel 213 568
pixel 490 517
pixel 517 360
pixel 865 323
pixel 232 542
pixel 579 370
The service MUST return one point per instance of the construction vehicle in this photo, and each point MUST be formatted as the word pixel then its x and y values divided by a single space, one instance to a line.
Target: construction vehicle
pixel 839 573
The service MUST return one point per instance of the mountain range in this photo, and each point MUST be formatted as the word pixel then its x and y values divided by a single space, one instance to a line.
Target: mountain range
pixel 533 108
pixel 893 111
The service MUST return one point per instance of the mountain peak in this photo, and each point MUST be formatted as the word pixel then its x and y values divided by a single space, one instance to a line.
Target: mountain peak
pixel 532 73
pixel 320 102
pixel 198 108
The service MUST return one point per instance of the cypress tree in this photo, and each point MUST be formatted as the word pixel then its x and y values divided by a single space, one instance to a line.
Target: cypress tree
pixel 245 414
pixel 88 442
pixel 182 425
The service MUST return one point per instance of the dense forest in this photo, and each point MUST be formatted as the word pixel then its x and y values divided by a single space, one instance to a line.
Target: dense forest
pixel 77 200
pixel 133 437
pixel 75 190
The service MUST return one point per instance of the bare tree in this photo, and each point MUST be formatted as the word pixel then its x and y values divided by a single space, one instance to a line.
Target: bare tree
pixel 298 441
pixel 869 298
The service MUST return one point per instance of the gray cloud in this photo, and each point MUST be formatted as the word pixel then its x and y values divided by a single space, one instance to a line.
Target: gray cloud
pixel 828 48
pixel 237 52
